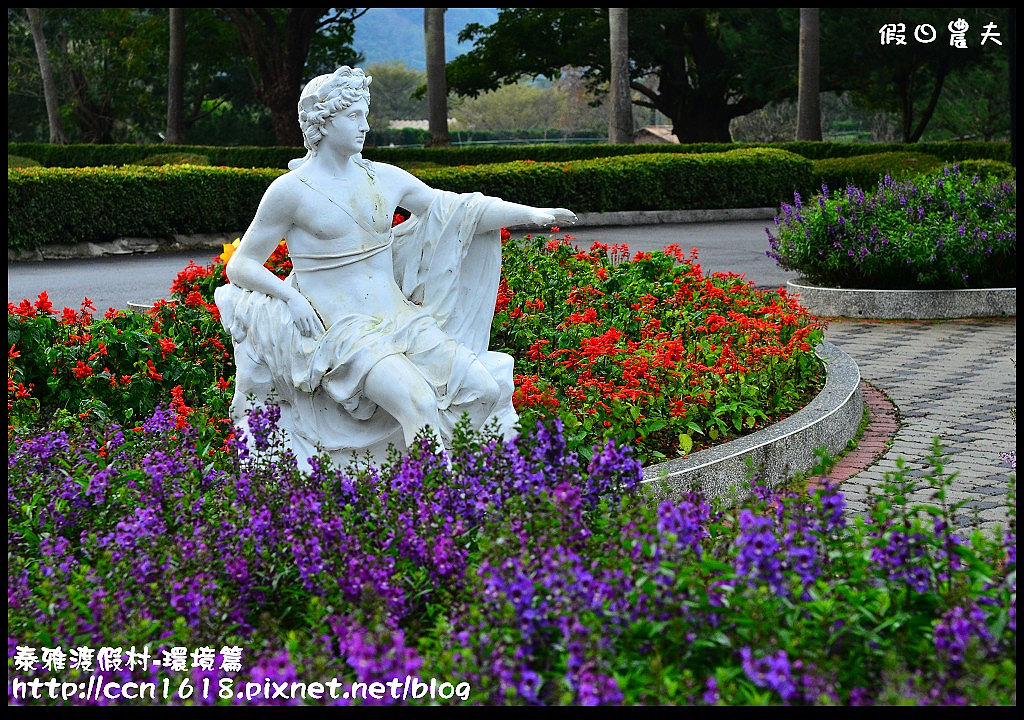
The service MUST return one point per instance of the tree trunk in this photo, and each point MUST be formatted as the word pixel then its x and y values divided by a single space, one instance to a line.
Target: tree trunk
pixel 437 84
pixel 57 136
pixel 279 56
pixel 175 134
pixel 929 110
pixel 808 125
pixel 620 121
pixel 702 127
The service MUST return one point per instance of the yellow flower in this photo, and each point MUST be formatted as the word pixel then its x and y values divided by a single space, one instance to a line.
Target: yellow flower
pixel 229 250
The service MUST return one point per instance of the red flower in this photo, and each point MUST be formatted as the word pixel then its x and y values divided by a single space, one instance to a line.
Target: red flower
pixel 81 370
pixel 187 278
pixel 151 371
pixel 167 346
pixel 43 304
pixel 25 309
pixel 194 299
pixel 87 305
pixel 223 384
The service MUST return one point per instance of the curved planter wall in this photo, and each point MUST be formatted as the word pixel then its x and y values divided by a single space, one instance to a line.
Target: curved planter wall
pixel 780 450
pixel 906 304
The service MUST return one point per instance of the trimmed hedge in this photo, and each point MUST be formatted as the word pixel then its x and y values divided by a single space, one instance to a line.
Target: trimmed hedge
pixel 989 168
pixel 16 161
pixel 72 156
pixel 866 170
pixel 67 205
pixel 176 158
pixel 109 202
pixel 664 181
pixel 278 157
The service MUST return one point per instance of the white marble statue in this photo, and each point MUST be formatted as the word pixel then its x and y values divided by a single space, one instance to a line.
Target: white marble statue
pixel 379 331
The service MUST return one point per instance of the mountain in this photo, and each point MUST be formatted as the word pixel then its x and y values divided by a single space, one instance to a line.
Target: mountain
pixel 384 34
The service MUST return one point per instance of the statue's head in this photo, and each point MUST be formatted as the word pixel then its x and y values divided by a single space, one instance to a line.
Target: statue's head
pixel 326 95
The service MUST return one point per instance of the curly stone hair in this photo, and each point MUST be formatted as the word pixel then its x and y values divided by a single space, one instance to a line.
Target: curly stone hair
pixel 324 96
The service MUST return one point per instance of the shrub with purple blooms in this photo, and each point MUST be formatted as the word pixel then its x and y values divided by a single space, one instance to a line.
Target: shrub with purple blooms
pixel 947 230
pixel 512 566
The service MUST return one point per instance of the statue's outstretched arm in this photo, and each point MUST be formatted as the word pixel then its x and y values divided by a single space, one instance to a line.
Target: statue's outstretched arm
pixel 417 196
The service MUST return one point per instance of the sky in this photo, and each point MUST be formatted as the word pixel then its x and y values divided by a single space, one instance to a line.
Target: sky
pixel 384 34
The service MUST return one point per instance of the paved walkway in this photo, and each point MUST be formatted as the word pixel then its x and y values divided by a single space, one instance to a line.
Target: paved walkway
pixel 956 380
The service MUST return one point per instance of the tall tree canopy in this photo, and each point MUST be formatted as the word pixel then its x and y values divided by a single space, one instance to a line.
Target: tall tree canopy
pixel 278 43
pixel 110 71
pixel 699 67
pixel 909 78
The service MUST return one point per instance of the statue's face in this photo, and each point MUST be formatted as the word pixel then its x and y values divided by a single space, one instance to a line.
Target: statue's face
pixel 346 130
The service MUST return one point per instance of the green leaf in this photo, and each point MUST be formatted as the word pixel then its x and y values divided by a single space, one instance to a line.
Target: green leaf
pixel 685 443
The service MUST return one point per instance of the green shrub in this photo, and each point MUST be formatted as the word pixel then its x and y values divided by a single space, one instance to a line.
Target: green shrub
pixel 126 154
pixel 988 168
pixel 664 181
pixel 946 230
pixel 176 158
pixel 866 170
pixel 109 202
pixel 278 157
pixel 17 161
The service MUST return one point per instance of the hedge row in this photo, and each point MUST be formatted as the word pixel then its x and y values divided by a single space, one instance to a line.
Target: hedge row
pixel 68 205
pixel 76 156
pixel 278 157
pixel 106 203
pixel 663 181
pixel 864 171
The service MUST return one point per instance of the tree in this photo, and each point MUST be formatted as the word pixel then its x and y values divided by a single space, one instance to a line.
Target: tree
pixel 393 93
pixel 908 78
pixel 57 136
pixel 975 103
pixel 105 64
pixel 620 125
pixel 277 43
pixel 808 124
pixel 708 66
pixel 522 106
pixel 175 134
pixel 437 86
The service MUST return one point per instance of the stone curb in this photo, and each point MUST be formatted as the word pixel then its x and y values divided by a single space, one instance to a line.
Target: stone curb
pixel 778 451
pixel 658 217
pixel 905 304
pixel 214 241
pixel 123 246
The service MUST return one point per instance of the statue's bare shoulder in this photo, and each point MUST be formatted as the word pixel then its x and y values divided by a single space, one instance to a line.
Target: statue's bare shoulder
pixel 405 188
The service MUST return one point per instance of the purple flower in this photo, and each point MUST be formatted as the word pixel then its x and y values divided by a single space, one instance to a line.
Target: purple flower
pixel 757 546
pixel 771 671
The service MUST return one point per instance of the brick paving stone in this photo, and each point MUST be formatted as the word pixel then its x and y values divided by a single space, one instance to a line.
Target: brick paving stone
pixel 955 380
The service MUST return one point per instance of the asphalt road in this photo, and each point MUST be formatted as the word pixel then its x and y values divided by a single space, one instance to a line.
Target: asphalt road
pixel 737 246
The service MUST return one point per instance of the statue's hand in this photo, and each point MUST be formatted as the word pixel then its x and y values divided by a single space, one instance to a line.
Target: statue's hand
pixel 304 315
pixel 554 216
